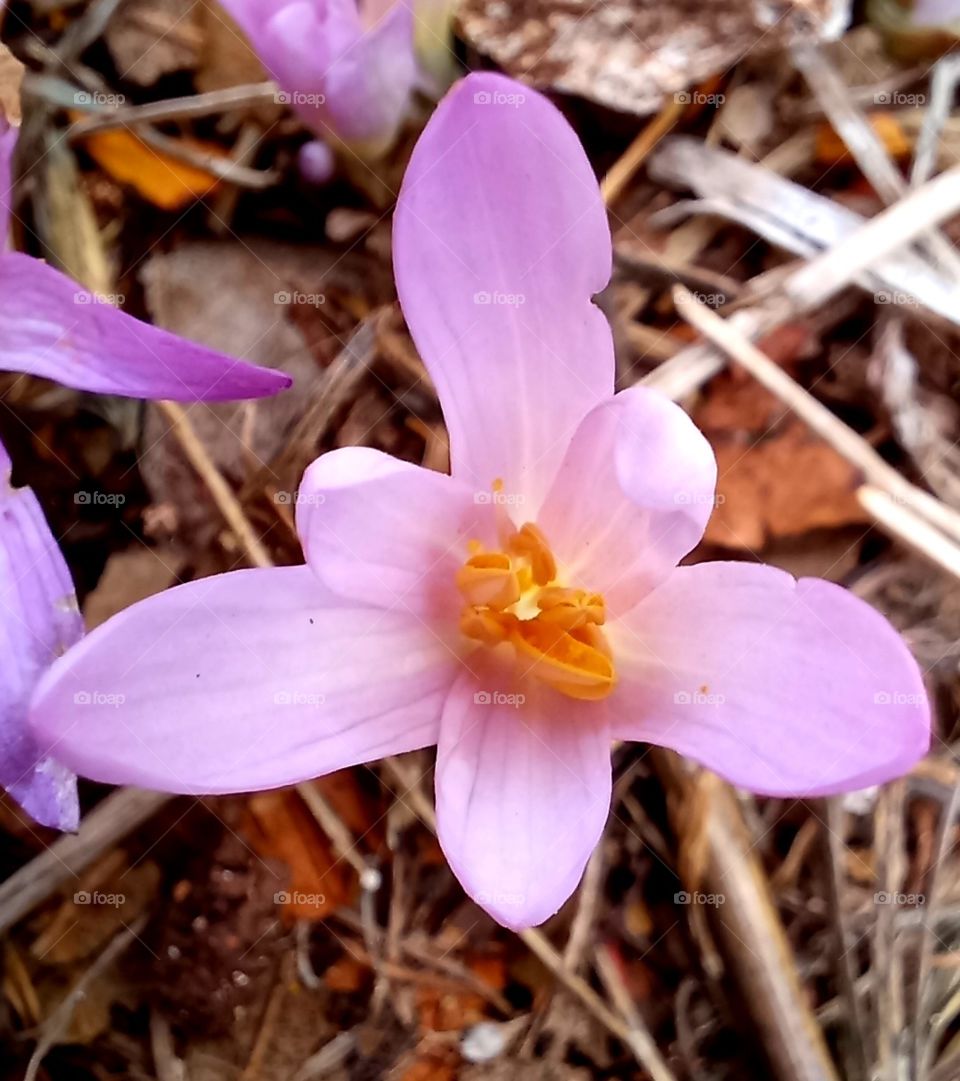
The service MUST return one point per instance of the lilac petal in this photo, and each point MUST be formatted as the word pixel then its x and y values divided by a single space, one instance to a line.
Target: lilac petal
pixel 935 12
pixel 242 681
pixel 523 793
pixel 51 327
pixel 39 619
pixel 784 687
pixel 632 496
pixel 500 241
pixel 384 532
pixel 8 143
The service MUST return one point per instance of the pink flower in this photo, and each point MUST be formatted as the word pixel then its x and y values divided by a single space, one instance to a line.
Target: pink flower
pixel 39 620
pixel 522 612
pixel 51 327
pixel 347 68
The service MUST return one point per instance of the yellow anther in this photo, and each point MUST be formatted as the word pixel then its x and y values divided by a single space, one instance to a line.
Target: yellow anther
pixel 486 626
pixel 530 544
pixel 511 596
pixel 488 578
pixel 563 661
pixel 570 608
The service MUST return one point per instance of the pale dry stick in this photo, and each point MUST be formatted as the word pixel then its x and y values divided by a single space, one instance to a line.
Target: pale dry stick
pixel 221 168
pixel 943 83
pixel 855 1031
pixel 889 848
pixel 538 943
pixel 609 973
pixel 70 854
pixel 901 523
pixel 56 1025
pixel 193 105
pixel 817 416
pixel 864 144
pixel 623 169
pixel 344 844
pixel 817 281
pixel 227 503
pixel 925 1039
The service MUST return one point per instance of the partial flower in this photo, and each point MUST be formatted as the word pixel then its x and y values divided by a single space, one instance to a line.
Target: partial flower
pixel 935 12
pixel 522 612
pixel 349 69
pixel 51 327
pixel 39 620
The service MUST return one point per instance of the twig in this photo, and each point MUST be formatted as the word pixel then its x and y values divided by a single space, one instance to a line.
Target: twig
pixel 227 503
pixel 619 174
pixel 118 815
pixel 58 1022
pixel 829 427
pixel 192 105
pixel 904 525
pixel 747 925
pixel 535 940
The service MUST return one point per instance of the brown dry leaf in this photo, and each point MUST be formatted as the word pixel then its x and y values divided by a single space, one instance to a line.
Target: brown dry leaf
pixel 226 58
pixel 130 576
pixel 150 38
pixel 162 180
pixel 429 1067
pixel 631 55
pixel 109 897
pixel 346 975
pixel 11 78
pixel 282 828
pixel 441 1009
pixel 780 486
pixel 224 295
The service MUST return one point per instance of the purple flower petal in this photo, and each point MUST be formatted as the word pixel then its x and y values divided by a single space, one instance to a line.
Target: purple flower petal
pixel 51 327
pixel 39 619
pixel 632 496
pixel 381 531
pixel 242 681
pixel 341 78
pixel 523 792
pixel 500 241
pixel 935 12
pixel 786 688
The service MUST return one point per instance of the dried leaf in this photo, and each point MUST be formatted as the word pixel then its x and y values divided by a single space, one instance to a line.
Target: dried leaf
pixel 130 576
pixel 282 828
pixel 780 486
pixel 151 38
pixel 832 150
pixel 162 180
pixel 633 54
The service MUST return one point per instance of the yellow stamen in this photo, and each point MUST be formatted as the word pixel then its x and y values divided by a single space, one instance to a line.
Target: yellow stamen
pixel 511 596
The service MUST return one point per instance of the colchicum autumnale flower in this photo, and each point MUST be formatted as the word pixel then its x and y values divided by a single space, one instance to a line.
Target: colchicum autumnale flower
pixel 523 611
pixel 349 68
pixel 51 327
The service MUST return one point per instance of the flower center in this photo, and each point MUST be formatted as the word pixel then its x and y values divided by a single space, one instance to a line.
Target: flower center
pixel 512 596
